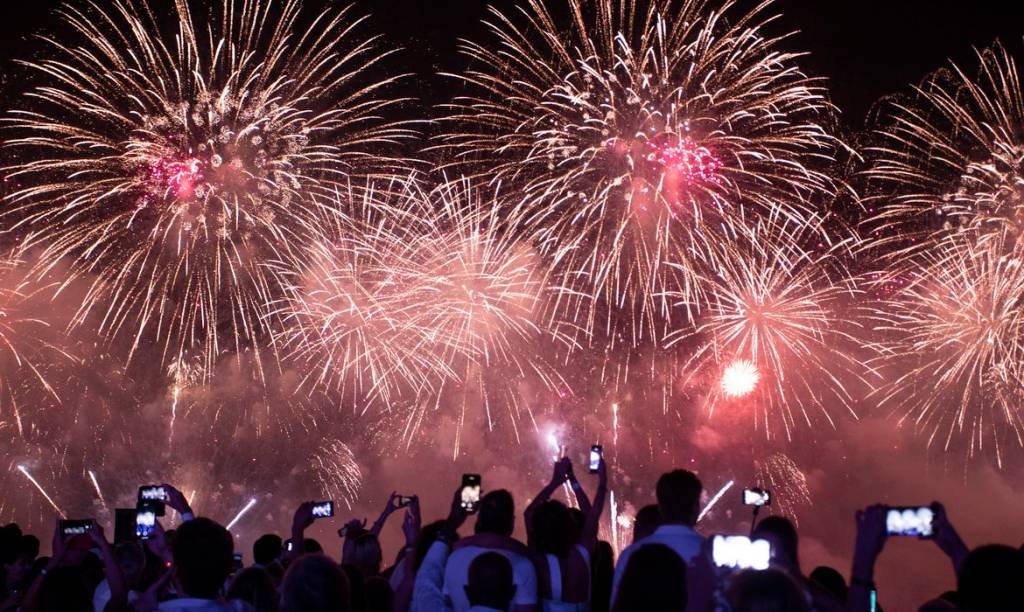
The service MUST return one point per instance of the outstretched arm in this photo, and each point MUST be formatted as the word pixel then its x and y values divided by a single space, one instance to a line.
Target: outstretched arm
pixel 870 541
pixel 389 508
pixel 593 518
pixel 561 469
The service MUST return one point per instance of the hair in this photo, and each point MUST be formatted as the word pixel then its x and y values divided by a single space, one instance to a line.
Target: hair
pixel 829 580
pixel 364 554
pixel 497 513
pixel 203 560
pixel 311 547
pixel 647 520
pixel 602 571
pixel 131 558
pixel 678 495
pixel 990 579
pixel 780 531
pixel 654 579
pixel 427 536
pixel 579 520
pixel 313 583
pixel 490 582
pixel 64 589
pixel 356 587
pixel 769 590
pixel 551 529
pixel 254 586
pixel 379 596
pixel 266 549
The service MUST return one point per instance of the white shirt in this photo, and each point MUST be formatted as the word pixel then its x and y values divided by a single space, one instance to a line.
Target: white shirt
pixel 456 575
pixel 427 595
pixel 682 539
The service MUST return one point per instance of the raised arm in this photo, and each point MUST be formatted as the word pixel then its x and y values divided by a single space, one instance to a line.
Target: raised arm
pixel 301 521
pixel 869 544
pixel 948 539
pixel 114 575
pixel 592 522
pixel 578 491
pixel 558 475
pixel 389 508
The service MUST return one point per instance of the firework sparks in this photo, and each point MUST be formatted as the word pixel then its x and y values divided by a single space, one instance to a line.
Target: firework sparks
pixel 954 342
pixel 788 484
pixel 337 471
pixel 777 334
pixel 640 137
pixel 41 490
pixel 167 168
pixel 96 487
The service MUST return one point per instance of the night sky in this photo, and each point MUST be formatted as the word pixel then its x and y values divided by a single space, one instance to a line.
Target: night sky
pixel 866 48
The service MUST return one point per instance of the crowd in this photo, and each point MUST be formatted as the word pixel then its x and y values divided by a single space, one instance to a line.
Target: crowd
pixel 562 566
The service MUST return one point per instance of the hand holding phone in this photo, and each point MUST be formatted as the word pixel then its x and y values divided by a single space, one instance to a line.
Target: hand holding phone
pixel 405 500
pixel 470 492
pixel 76 527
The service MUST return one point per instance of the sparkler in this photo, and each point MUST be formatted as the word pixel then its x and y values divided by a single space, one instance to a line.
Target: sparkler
pixel 42 491
pixel 640 136
pixel 166 164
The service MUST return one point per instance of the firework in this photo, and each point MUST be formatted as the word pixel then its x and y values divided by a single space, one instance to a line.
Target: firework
pixel 640 137
pixel 430 299
pixel 714 500
pixel 777 335
pixel 787 483
pixel 953 344
pixel 949 164
pixel 165 164
pixel 337 471
pixel 41 490
pixel 248 506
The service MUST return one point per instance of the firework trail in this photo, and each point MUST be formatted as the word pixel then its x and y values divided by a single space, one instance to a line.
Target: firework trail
pixel 953 345
pixel 949 162
pixel 337 472
pixel 166 163
pixel 714 500
pixel 248 506
pixel 42 491
pixel 776 335
pixel 96 487
pixel 640 137
pixel 787 483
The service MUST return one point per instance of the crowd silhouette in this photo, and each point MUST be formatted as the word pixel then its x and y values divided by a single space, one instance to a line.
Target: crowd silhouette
pixel 562 566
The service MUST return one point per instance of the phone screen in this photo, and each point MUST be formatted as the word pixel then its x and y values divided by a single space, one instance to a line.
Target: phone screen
pixel 323 509
pixel 595 458
pixel 145 524
pixel 756 497
pixel 289 545
pixel 153 496
pixel 75 527
pixel 740 552
pixel 910 522
pixel 470 492
pixel 404 501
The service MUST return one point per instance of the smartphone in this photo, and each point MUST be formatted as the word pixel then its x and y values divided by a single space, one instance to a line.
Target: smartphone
pixel 145 523
pixel 470 492
pixel 404 501
pixel 289 545
pixel 154 496
pixel 757 497
pixel 73 528
pixel 595 458
pixel 740 552
pixel 910 521
pixel 324 509
pixel 237 561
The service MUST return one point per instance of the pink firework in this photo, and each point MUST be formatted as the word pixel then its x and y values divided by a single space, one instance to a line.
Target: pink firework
pixel 686 163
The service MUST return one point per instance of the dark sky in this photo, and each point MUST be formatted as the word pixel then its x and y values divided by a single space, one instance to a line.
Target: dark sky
pixel 866 48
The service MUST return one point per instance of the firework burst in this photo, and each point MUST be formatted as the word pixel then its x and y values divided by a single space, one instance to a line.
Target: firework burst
pixel 949 165
pixel 776 335
pixel 640 137
pixel 953 345
pixel 787 483
pixel 166 162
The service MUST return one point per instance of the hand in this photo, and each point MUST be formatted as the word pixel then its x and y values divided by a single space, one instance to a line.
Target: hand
pixel 947 538
pixel 303 517
pixel 457 514
pixel 98 537
pixel 561 471
pixel 176 500
pixel 59 546
pixel 870 540
pixel 411 522
pixel 393 503
pixel 352 529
